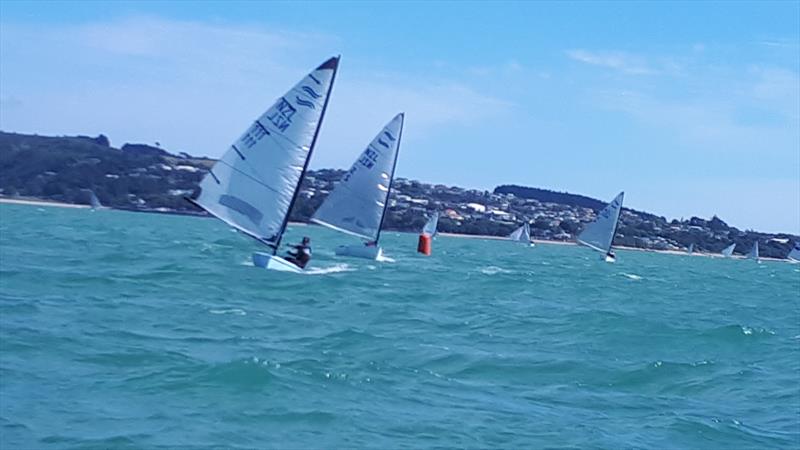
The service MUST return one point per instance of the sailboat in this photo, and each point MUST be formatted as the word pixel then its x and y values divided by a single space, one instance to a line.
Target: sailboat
pixel 599 235
pixel 728 251
pixel 357 205
pixel 94 201
pixel 690 250
pixel 431 225
pixel 522 234
pixel 794 254
pixel 255 184
pixel 753 254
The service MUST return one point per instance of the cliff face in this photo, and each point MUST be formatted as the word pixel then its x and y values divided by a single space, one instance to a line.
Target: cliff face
pixel 144 177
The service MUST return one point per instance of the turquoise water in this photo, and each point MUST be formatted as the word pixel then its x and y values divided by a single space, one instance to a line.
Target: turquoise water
pixel 140 330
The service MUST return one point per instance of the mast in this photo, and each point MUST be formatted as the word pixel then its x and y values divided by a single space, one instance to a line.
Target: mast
pixel 616 223
pixel 391 178
pixel 332 63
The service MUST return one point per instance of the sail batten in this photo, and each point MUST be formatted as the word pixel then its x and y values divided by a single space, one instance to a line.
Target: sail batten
pixel 255 184
pixel 599 235
pixel 357 205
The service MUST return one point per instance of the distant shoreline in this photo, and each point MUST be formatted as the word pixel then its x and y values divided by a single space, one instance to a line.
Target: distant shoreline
pixel 38 202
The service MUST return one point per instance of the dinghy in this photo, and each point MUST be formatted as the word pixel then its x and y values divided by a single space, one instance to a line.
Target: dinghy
pixel 753 254
pixel 599 235
pixel 94 201
pixel 728 251
pixel 254 185
pixel 794 254
pixel 427 234
pixel 522 234
pixel 357 205
pixel 431 225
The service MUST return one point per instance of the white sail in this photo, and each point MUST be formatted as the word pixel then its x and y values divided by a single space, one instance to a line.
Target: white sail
pixel 521 234
pixel 254 185
pixel 691 249
pixel 753 254
pixel 94 201
pixel 728 251
pixel 431 225
pixel 358 203
pixel 599 235
pixel 794 254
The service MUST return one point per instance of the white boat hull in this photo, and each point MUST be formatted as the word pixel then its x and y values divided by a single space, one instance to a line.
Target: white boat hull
pixel 273 262
pixel 610 259
pixel 360 251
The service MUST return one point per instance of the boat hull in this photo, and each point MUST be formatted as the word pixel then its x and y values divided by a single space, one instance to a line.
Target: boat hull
pixel 273 262
pixel 360 251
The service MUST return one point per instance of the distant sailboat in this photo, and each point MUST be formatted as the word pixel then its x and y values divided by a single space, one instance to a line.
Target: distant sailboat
pixel 357 205
pixel 255 184
pixel 94 201
pixel 691 249
pixel 431 225
pixel 794 254
pixel 522 234
pixel 599 235
pixel 728 251
pixel 753 254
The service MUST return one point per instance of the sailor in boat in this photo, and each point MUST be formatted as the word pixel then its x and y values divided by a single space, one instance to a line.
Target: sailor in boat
pixel 610 256
pixel 302 254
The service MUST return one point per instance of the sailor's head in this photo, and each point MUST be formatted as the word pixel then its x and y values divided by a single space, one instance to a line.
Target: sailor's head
pixel 306 240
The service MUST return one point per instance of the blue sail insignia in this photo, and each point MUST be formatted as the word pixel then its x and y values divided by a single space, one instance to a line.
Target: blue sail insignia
pixel 312 93
pixel 305 103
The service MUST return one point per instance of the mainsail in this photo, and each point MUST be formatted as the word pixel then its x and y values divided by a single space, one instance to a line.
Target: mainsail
pixel 521 234
pixel 599 235
pixel 254 186
pixel 794 254
pixel 431 225
pixel 691 249
pixel 94 201
pixel 728 251
pixel 753 252
pixel 357 205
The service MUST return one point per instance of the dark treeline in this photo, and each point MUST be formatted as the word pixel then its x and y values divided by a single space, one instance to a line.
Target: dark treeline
pixel 148 178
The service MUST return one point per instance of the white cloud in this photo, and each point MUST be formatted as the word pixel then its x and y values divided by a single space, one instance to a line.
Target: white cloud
pixel 620 61
pixel 761 110
pixel 195 86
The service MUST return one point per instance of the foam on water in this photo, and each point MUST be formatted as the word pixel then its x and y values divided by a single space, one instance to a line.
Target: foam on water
pixel 631 276
pixel 235 311
pixel 335 268
pixel 494 270
pixel 148 331
pixel 385 259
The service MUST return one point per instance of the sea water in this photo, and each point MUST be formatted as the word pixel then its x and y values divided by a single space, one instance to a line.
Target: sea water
pixel 130 330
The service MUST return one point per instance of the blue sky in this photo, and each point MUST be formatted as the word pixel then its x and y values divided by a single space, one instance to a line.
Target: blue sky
pixel 692 108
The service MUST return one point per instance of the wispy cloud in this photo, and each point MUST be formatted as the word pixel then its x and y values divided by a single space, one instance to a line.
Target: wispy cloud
pixel 194 86
pixel 619 61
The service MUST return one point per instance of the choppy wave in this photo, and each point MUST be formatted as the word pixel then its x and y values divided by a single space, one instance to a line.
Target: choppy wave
pixel 153 331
